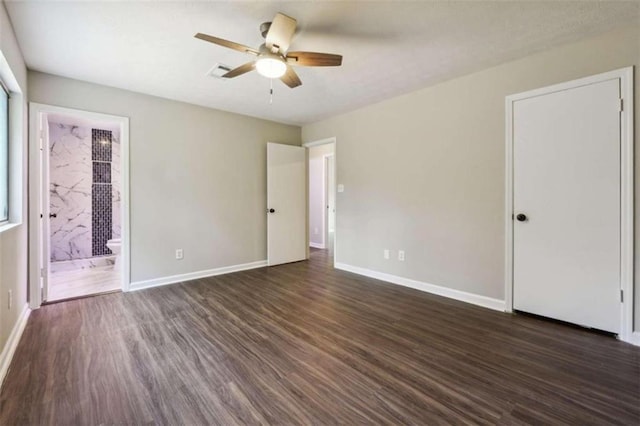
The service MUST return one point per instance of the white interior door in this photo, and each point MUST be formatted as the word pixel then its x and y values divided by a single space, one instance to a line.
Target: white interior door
pixel 566 177
pixel 286 204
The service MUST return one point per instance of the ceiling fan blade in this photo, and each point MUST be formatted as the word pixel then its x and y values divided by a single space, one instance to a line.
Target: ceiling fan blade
pixel 281 32
pixel 314 59
pixel 242 69
pixel 226 43
pixel 290 78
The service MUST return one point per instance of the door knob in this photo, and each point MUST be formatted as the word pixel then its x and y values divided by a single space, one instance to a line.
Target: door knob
pixel 272 211
pixel 521 217
pixel 53 215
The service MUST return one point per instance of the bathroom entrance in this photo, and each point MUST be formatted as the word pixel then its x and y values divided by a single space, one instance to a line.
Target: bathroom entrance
pixel 82 204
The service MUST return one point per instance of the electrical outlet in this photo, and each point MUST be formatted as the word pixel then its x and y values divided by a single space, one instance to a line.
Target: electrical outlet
pixel 401 255
pixel 386 254
pixel 179 254
pixel 10 299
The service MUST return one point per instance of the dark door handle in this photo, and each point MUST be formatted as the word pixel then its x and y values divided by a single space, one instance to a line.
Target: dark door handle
pixel 53 215
pixel 521 217
pixel 272 211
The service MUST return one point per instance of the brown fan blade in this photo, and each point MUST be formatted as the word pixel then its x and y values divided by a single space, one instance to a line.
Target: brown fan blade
pixel 226 43
pixel 280 33
pixel 314 59
pixel 242 69
pixel 290 78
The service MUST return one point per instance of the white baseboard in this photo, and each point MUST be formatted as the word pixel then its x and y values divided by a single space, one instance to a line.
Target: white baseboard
pixel 635 338
pixel 316 245
pixel 12 342
pixel 156 282
pixel 476 299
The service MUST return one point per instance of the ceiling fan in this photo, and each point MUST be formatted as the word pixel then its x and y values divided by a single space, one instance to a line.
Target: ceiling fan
pixel 273 58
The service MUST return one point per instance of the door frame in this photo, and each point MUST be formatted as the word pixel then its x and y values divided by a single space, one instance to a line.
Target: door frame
pixel 326 192
pixel 626 187
pixel 334 189
pixel 38 193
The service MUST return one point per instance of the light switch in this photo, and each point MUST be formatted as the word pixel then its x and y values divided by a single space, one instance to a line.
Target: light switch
pixel 340 187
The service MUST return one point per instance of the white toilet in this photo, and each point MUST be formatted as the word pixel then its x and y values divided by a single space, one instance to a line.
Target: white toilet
pixel 115 246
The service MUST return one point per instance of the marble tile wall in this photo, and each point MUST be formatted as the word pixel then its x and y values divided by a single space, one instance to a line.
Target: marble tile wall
pixel 70 191
pixel 72 176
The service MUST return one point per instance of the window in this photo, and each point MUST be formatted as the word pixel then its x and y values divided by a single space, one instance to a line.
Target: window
pixel 4 155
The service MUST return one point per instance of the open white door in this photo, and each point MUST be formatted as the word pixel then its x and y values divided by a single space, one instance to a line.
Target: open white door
pixel 286 204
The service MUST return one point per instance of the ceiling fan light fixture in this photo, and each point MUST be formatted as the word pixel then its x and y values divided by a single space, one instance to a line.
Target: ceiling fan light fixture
pixel 273 59
pixel 271 67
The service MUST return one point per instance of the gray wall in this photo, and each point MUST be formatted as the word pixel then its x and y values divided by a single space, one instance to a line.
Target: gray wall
pixel 198 176
pixel 424 172
pixel 13 243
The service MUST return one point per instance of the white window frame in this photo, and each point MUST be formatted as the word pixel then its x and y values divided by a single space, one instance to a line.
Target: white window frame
pixel 4 88
pixel 17 151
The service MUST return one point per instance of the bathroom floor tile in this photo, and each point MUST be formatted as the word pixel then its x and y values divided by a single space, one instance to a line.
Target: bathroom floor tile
pixel 82 282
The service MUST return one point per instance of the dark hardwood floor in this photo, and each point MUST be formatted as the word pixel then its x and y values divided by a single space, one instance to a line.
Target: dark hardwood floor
pixel 306 344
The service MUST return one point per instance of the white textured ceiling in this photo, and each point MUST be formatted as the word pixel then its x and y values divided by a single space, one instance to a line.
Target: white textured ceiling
pixel 389 48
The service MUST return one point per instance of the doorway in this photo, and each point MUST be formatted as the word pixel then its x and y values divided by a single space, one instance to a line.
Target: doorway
pixel 570 202
pixel 322 196
pixel 80 177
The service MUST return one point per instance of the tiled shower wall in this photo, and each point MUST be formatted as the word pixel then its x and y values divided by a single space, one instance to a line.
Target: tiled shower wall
pixel 84 191
pixel 101 197
pixel 69 191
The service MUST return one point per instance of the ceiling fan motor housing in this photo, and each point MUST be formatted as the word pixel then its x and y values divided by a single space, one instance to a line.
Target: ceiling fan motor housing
pixel 266 52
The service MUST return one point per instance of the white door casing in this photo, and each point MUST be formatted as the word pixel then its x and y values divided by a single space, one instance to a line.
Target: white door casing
pixel 331 203
pixel 286 204
pixel 569 170
pixel 44 214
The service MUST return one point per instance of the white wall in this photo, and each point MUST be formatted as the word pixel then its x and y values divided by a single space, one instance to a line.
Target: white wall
pixel 424 172
pixel 198 176
pixel 317 183
pixel 13 243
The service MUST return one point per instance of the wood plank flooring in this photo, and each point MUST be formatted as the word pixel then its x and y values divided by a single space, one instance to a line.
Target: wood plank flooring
pixel 306 344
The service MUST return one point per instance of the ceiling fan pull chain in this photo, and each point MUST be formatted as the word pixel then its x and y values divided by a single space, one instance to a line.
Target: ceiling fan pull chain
pixel 271 92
